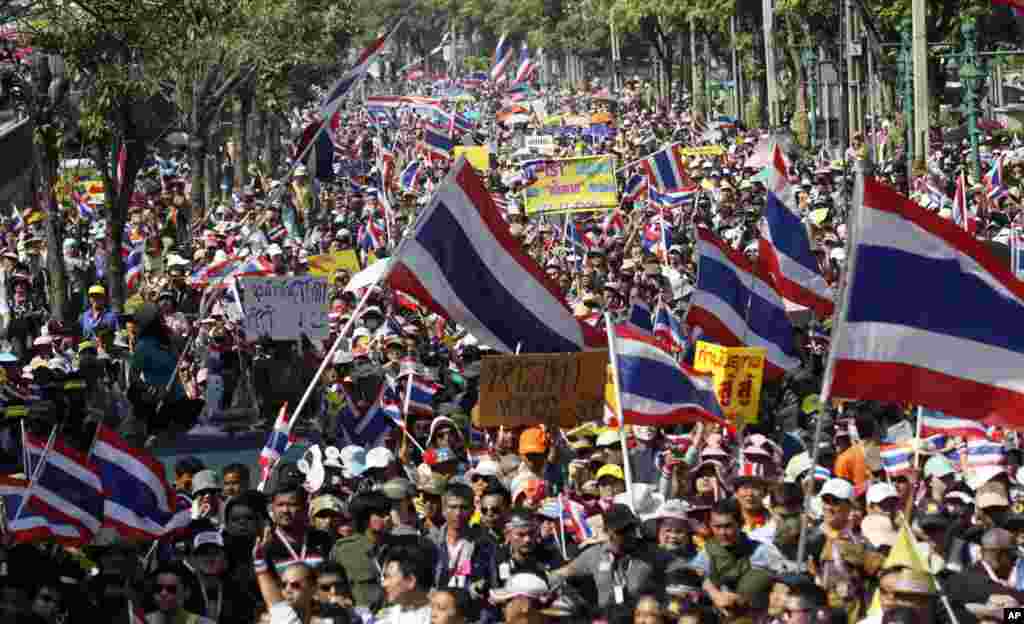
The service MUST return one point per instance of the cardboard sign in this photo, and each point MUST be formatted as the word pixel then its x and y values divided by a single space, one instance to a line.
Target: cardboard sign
pixel 573 185
pixel 737 373
pixel 284 308
pixel 534 389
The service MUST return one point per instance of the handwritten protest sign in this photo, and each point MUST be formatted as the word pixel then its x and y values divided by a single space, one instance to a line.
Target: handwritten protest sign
pixel 573 185
pixel 284 308
pixel 532 389
pixel 737 373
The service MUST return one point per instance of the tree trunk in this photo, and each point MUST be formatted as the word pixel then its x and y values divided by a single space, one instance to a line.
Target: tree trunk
pixel 117 200
pixel 273 144
pixel 244 114
pixel 46 166
pixel 193 207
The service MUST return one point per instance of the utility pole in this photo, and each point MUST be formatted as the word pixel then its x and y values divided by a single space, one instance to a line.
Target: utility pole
pixel 697 103
pixel 769 61
pixel 907 92
pixel 919 10
pixel 616 55
pixel 736 78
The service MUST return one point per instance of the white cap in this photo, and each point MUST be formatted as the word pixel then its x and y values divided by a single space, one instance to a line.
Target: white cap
pixel 838 488
pixel 274 250
pixel 520 585
pixel 206 538
pixel 353 458
pixel 379 457
pixel 881 491
pixel 485 468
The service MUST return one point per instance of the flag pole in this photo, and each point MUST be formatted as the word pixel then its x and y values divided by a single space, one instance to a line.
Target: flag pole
pixel 561 521
pixel 405 415
pixel 37 471
pixel 618 408
pixel 334 347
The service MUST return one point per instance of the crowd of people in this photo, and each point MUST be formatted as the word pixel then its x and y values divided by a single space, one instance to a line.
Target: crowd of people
pixel 445 522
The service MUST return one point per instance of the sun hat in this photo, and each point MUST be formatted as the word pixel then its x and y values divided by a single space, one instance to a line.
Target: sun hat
pixel 521 585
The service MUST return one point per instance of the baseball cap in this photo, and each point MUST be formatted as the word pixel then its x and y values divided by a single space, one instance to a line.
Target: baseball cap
pixel 991 498
pixel 353 460
pixel 379 457
pixel 610 470
pixel 207 538
pixel 533 440
pixel 520 585
pixel 204 480
pixel 938 466
pixel 878 492
pixel 326 502
pixel 838 488
pixel 485 468
pixel 607 438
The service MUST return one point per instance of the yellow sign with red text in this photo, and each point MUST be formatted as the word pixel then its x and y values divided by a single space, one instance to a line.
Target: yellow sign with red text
pixel 737 373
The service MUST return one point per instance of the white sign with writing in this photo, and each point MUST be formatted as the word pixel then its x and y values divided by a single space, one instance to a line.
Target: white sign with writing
pixel 284 308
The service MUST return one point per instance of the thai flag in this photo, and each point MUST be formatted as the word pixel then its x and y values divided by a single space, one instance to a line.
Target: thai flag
pixel 613 223
pixel 640 318
pixel 213 272
pixel 573 238
pixel 336 94
pixel 421 396
pixel 133 266
pixel 822 473
pixel 985 452
pixel 526 65
pixel 410 176
pixel 66 490
pixel 657 235
pixel 371 236
pixel 896 459
pixel 635 188
pixel 462 263
pixel 385 102
pixel 961 213
pixel 85 211
pixel 934 422
pixel 30 525
pixel 278 443
pixel 934 443
pixel 369 429
pixel 673 199
pixel 785 247
pixel 139 499
pixel 735 304
pixel 438 141
pixel 656 390
pixel 665 169
pixel 994 181
pixel 502 56
pixel 668 330
pixel 929 316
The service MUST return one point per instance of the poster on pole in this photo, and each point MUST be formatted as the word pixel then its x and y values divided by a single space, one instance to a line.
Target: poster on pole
pixel 284 308
pixel 737 373
pixel 573 185
pixel 536 388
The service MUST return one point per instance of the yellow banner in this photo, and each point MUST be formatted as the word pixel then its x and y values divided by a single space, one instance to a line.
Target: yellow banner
pixel 737 373
pixel 327 265
pixel 707 150
pixel 573 185
pixel 478 155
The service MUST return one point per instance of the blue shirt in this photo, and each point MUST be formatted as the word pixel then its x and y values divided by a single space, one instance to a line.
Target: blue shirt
pixel 90 321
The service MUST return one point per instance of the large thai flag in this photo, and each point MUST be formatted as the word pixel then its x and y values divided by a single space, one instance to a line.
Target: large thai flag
pixel 336 94
pixel 66 491
pixel 526 65
pixel 640 318
pixel 278 443
pixel 665 169
pixel 133 266
pixel 985 452
pixel 785 247
pixel 735 304
pixel 654 389
pixel 668 330
pixel 502 56
pixel 935 423
pixel 462 263
pixel 635 188
pixel 929 316
pixel 139 500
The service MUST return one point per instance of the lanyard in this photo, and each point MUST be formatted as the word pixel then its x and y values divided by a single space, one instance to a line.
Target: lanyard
pixel 287 544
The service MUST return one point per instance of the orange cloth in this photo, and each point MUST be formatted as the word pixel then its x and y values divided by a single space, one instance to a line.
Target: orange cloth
pixel 851 465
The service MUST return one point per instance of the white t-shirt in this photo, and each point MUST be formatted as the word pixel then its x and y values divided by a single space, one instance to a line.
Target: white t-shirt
pixel 283 613
pixel 395 615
